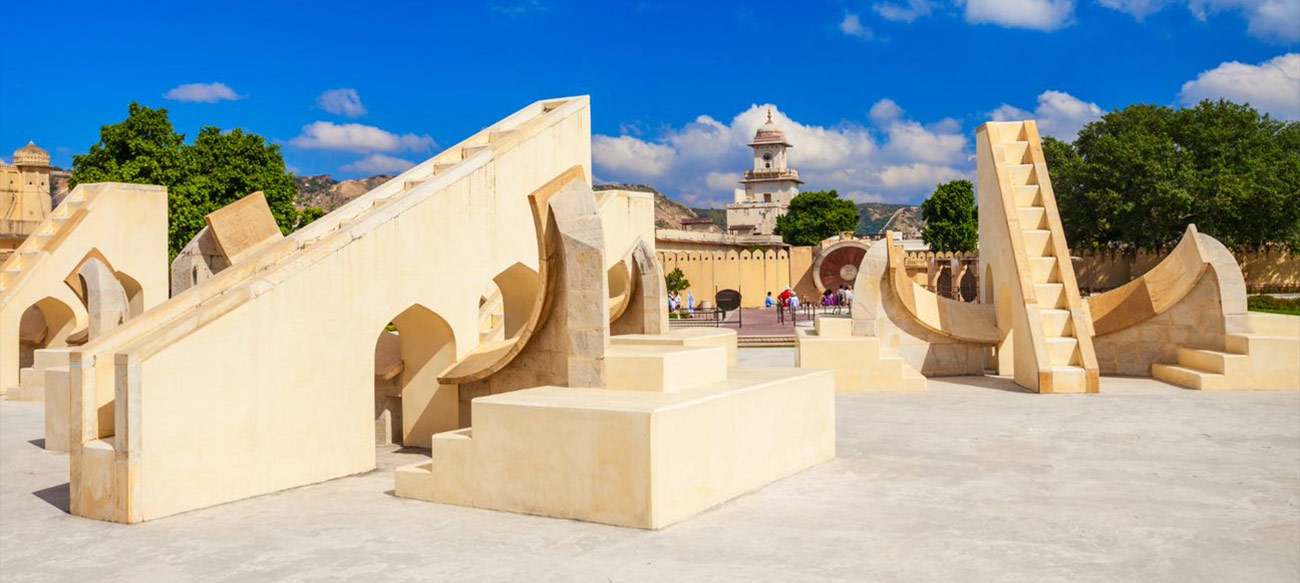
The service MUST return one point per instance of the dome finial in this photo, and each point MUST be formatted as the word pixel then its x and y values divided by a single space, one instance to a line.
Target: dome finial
pixel 769 114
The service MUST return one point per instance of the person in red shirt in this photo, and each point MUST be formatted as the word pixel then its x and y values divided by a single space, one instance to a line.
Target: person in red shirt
pixel 785 297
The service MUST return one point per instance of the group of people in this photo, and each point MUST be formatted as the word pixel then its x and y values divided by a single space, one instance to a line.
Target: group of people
pixel 836 299
pixel 676 303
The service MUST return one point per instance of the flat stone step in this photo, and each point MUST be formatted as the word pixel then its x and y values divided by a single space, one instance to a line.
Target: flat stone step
pixel 1021 174
pixel 1032 217
pixel 1027 195
pixel 1056 322
pixel 1063 351
pixel 1015 152
pixel 1189 378
pixel 1038 242
pixel 1214 361
pixel 1051 295
pixel 1043 270
pixel 1069 379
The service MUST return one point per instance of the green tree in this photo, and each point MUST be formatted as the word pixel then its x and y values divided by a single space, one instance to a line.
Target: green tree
pixel 1135 179
pixel 951 220
pixel 676 281
pixel 217 169
pixel 814 216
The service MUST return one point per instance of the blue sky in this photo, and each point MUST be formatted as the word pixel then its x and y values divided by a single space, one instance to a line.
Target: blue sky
pixel 881 99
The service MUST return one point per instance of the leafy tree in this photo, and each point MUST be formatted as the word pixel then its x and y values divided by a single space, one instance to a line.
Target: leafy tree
pixel 814 216
pixel 951 220
pixel 1137 177
pixel 676 281
pixel 216 170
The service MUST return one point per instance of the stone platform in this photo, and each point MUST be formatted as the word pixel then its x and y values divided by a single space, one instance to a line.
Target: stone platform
pixel 676 434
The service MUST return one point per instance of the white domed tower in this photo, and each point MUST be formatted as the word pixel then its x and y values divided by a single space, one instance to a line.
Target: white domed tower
pixel 768 187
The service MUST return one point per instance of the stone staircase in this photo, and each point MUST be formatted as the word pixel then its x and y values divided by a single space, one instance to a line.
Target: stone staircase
pixel 1033 219
pixel 1268 358
pixel 26 255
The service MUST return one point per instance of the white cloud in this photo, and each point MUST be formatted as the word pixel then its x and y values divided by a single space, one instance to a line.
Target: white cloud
pixel 1270 20
pixel 722 181
pixel 852 26
pixel 378 164
pixel 355 137
pixel 918 175
pixel 885 111
pixel 896 159
pixel 202 93
pixel 903 13
pixel 1272 86
pixel 630 158
pixel 343 102
pixel 1044 15
pixel 1058 114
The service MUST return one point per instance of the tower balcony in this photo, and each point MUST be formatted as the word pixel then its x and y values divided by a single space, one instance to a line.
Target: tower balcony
pixel 756 176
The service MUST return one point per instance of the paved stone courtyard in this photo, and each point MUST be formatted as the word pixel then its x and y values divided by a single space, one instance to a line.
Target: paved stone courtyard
pixel 974 480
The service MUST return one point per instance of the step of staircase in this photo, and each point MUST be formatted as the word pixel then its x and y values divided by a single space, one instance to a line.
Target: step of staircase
pixel 1038 242
pixel 1056 322
pixel 1032 217
pixel 1225 363
pixel 1189 378
pixel 1063 351
pixel 1021 174
pixel 1043 270
pixel 1015 152
pixel 1027 195
pixel 1051 295
pixel 1069 379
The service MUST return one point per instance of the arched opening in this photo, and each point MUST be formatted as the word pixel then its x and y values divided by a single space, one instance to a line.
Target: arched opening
pixel 410 404
pixel 519 285
pixel 620 289
pixel 943 284
pixel 134 294
pixel 45 324
pixel 491 314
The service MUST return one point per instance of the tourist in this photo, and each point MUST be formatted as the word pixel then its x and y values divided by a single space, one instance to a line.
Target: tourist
pixel 784 298
pixel 690 301
pixel 848 297
pixel 673 302
pixel 769 302
pixel 828 300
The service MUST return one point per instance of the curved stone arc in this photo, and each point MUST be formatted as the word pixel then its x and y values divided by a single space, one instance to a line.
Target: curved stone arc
pixel 969 322
pixel 1155 291
pixel 826 253
pixel 621 296
pixel 488 359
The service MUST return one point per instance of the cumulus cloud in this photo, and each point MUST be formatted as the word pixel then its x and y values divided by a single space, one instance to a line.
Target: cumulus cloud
pixel 344 102
pixel 630 157
pixel 1044 15
pixel 885 111
pixel 700 162
pixel 378 164
pixel 202 93
pixel 852 26
pixel 913 10
pixel 1270 20
pixel 355 137
pixel 1058 114
pixel 1272 86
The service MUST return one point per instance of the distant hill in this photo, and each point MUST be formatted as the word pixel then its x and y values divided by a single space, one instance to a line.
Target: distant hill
pixel 877 217
pixel 324 192
pixel 669 213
